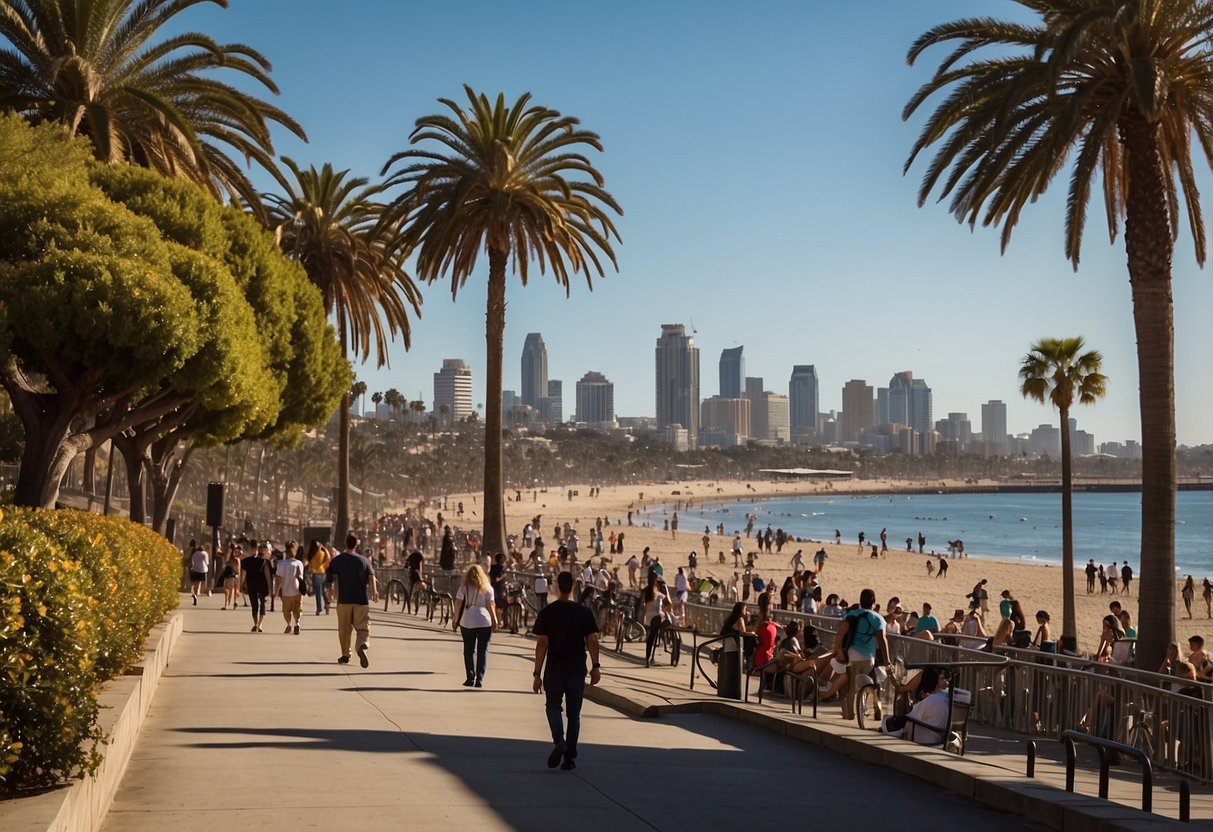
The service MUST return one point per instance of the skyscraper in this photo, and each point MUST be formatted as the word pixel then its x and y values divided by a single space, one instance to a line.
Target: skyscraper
pixel 732 373
pixel 994 427
pixel 677 383
pixel 534 370
pixel 453 390
pixel 920 406
pixel 551 406
pixel 595 399
pixel 803 403
pixel 899 399
pixel 858 410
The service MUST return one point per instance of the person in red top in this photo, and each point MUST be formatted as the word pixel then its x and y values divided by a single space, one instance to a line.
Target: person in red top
pixel 766 631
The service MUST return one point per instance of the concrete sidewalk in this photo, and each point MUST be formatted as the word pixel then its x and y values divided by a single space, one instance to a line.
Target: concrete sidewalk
pixel 266 731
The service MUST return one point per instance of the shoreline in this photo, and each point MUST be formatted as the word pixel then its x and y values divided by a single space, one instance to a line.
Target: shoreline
pixel 1035 583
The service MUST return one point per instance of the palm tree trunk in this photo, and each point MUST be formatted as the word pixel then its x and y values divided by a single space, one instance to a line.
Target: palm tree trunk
pixel 494 336
pixel 342 526
pixel 1069 620
pixel 1149 245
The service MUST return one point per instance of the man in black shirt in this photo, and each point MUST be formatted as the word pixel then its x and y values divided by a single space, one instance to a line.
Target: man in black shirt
pixel 354 575
pixel 566 630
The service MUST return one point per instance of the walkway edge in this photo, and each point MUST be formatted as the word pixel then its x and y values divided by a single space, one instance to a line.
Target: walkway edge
pixel 82 805
pixel 989 785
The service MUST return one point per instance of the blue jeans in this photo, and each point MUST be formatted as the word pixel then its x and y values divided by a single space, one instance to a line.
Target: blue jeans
pixel 571 689
pixel 318 591
pixel 478 638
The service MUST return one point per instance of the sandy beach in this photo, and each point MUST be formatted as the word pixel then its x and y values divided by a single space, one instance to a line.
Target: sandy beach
pixel 846 572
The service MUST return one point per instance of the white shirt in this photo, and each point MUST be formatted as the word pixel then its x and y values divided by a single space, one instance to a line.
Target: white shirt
pixel 680 583
pixel 932 711
pixel 541 585
pixel 475 607
pixel 289 571
pixel 587 575
pixel 200 561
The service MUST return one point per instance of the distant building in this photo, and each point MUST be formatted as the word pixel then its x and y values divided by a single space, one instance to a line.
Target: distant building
pixel 803 403
pixel 595 397
pixel 677 382
pixel 724 422
pixel 956 428
pixel 551 406
pixel 858 410
pixel 453 391
pixel 778 426
pixel 1045 440
pixel 994 427
pixel 534 369
pixel 732 373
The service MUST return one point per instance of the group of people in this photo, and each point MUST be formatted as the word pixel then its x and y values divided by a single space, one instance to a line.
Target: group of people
pixel 1107 577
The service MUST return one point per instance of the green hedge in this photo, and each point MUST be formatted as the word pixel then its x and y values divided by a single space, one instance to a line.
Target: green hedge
pixel 78 594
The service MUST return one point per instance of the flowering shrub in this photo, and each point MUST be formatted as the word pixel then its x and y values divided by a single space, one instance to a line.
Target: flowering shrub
pixel 78 595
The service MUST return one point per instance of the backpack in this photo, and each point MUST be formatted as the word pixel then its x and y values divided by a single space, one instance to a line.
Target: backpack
pixel 854 618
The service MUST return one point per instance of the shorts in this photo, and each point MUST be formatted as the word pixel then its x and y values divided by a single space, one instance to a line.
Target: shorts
pixel 197 576
pixel 680 597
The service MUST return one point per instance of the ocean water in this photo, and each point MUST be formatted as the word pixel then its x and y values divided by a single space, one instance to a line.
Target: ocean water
pixel 1107 526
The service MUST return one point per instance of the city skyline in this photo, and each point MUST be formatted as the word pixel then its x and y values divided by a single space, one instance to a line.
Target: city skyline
pixel 816 253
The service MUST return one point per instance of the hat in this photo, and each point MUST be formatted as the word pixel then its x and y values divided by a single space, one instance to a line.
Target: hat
pixel 958 615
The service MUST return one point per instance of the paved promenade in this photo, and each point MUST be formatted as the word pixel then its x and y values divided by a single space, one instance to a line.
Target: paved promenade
pixel 266 732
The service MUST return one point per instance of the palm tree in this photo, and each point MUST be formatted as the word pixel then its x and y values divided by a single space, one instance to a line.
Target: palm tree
pixel 109 70
pixel 331 223
pixel 508 180
pixel 1057 371
pixel 1122 85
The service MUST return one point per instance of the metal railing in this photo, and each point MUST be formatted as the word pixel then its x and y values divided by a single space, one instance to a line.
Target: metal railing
pixel 1043 694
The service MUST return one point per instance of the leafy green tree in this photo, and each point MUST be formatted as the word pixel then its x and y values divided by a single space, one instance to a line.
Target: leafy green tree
pixel 395 402
pixel 111 71
pixel 109 324
pixel 509 180
pixel 1058 372
pixel 1116 90
pixel 332 224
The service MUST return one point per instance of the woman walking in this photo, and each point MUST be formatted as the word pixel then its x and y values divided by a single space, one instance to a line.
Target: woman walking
pixel 317 565
pixel 476 617
pixel 654 598
pixel 255 579
pixel 231 580
pixel 1188 593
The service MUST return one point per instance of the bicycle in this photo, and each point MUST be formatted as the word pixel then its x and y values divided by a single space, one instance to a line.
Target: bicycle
pixel 868 710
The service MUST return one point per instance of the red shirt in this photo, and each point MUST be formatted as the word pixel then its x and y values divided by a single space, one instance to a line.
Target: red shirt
pixel 765 650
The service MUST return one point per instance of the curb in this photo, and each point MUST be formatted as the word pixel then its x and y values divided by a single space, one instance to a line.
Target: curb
pixel 81 806
pixel 983 783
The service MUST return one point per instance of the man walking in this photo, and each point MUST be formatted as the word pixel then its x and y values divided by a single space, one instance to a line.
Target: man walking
pixel 861 644
pixel 566 630
pixel 289 575
pixel 354 576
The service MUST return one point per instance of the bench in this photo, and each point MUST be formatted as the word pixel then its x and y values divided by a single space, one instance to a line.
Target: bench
pixel 956 733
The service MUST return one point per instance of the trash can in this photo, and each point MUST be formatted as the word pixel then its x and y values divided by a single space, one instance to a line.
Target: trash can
pixel 729 662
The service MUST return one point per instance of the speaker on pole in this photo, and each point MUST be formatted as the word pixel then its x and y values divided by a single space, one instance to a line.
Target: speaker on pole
pixel 214 504
pixel 170 529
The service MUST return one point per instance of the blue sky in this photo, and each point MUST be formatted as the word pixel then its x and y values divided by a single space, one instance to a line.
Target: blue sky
pixel 757 151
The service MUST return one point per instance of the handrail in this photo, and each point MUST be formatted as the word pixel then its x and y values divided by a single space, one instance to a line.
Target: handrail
pixel 698 654
pixel 1102 746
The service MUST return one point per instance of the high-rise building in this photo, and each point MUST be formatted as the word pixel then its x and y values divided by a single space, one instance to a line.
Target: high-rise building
pixel 858 410
pixel 595 400
pixel 994 427
pixel 725 422
pixel 778 427
pixel 534 369
pixel 453 391
pixel 551 406
pixel 677 383
pixel 909 402
pixel 955 429
pixel 732 373
pixel 803 403
pixel 758 413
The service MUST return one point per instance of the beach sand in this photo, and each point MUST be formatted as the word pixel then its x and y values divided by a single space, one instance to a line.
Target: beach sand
pixel 898 573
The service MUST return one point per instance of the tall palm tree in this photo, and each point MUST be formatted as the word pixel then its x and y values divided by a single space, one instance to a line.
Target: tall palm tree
pixel 1116 89
pixel 109 70
pixel 509 180
pixel 1057 371
pixel 331 223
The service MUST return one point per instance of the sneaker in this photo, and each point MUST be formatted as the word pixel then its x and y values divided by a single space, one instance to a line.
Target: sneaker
pixel 254 629
pixel 260 630
pixel 557 753
pixel 362 659
pixel 469 683
pixel 479 684
pixel 296 629
pixel 343 660
pixel 287 631
pixel 569 764
pixel 195 600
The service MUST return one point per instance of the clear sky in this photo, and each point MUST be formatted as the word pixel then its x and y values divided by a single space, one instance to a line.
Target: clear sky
pixel 757 151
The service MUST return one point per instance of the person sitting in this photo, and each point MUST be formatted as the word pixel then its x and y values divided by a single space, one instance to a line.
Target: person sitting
pixel 1004 633
pixel 1112 633
pixel 928 718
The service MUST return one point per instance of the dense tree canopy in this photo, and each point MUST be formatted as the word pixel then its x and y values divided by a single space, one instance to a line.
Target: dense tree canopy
pixel 132 302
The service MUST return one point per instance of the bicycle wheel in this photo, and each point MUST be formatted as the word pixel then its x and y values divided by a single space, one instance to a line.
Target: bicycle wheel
pixel 634 631
pixel 867 707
